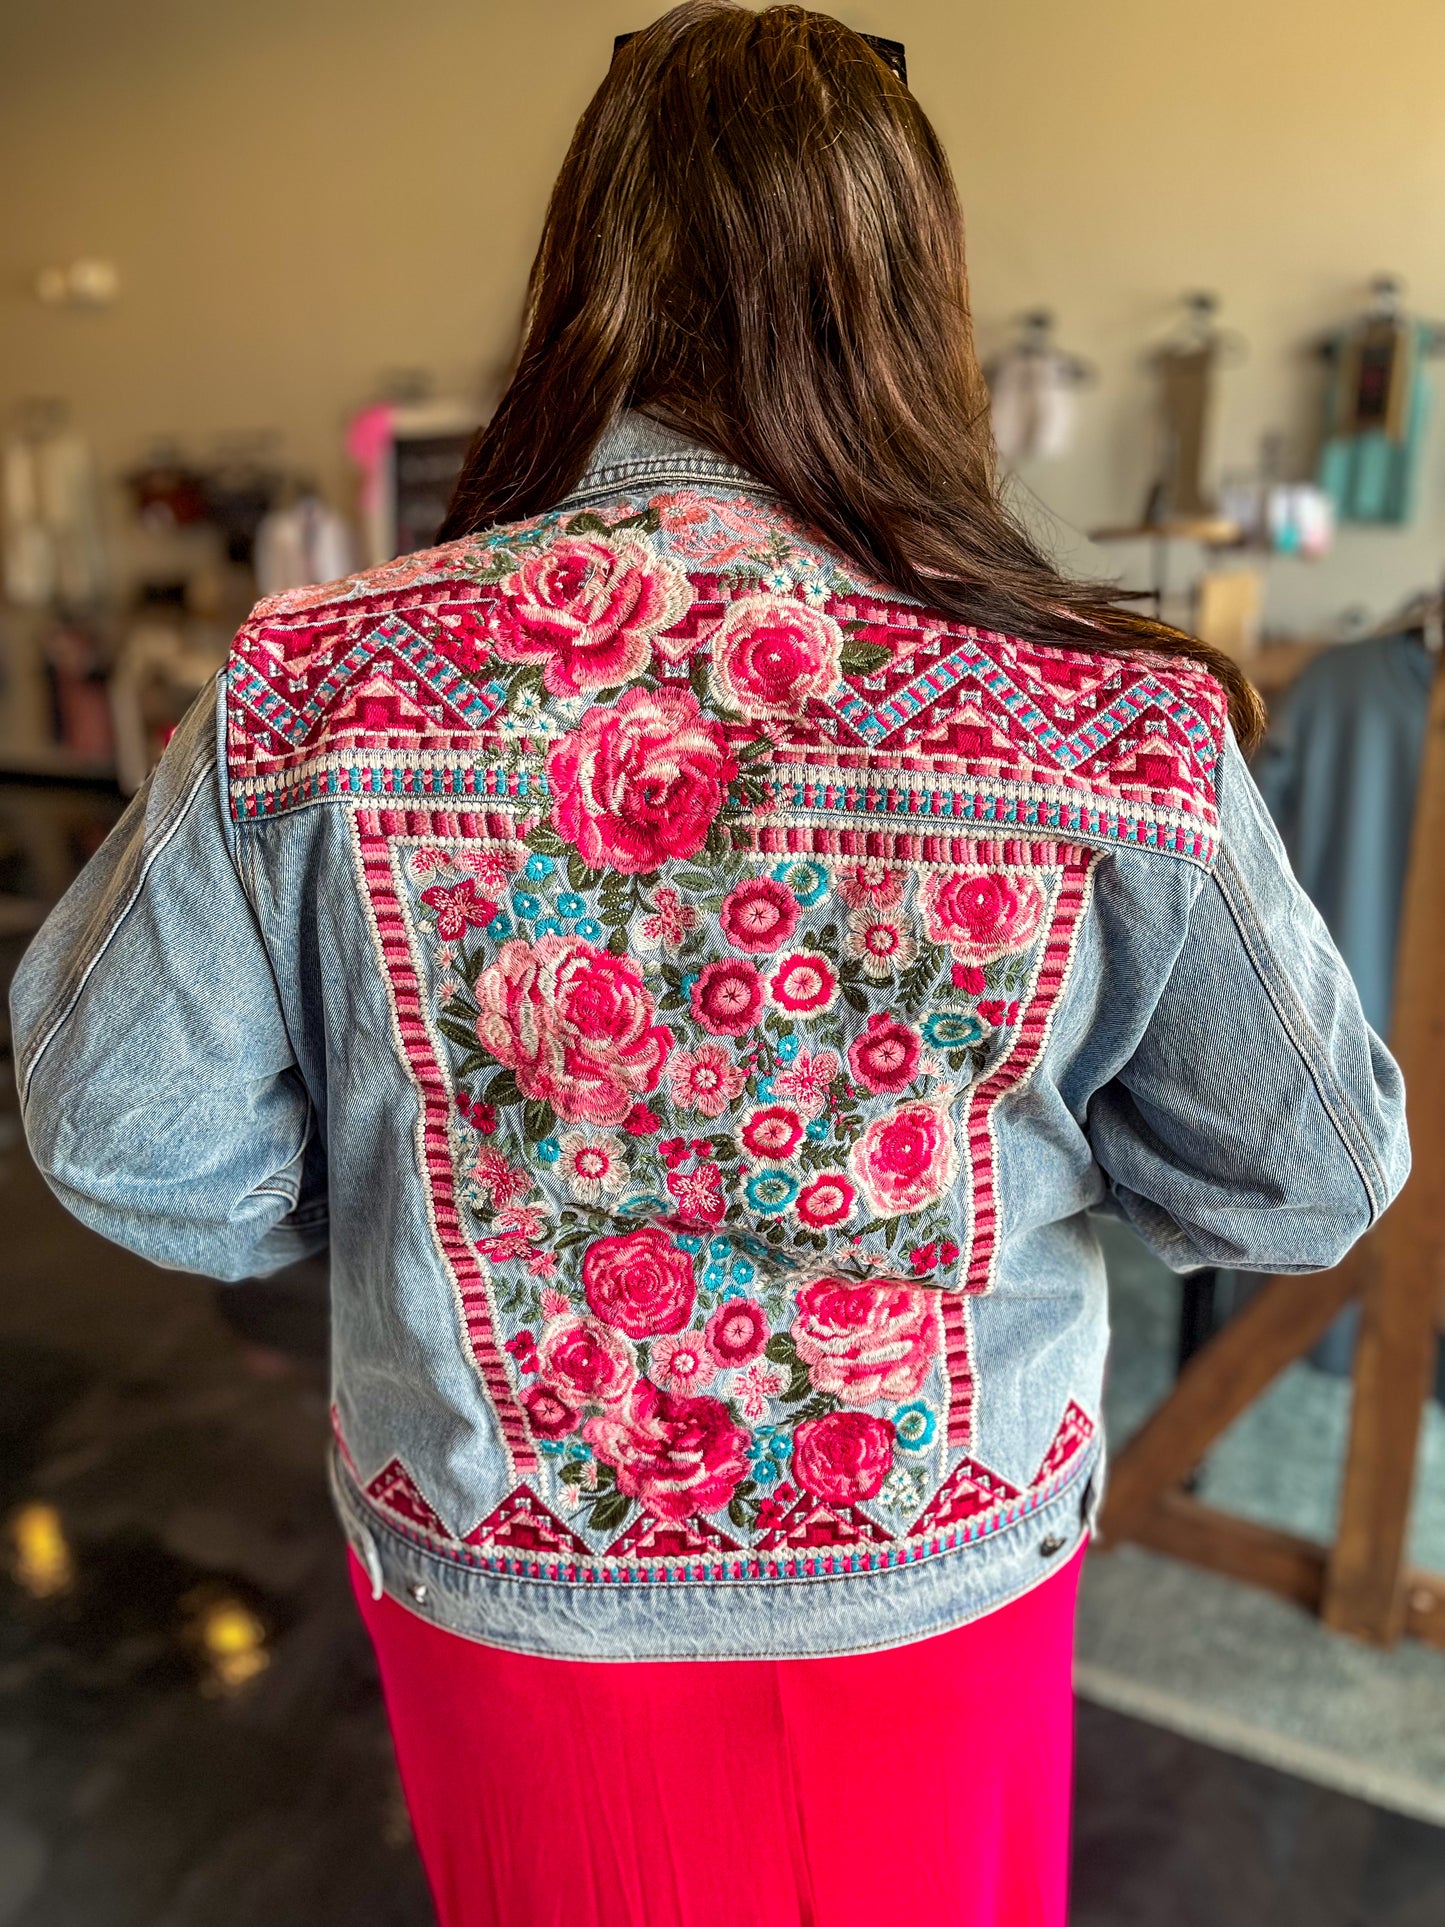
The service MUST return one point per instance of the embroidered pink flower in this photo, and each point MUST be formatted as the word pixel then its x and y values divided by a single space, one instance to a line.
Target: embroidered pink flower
pixel 589 606
pixel 706 1080
pixel 668 922
pixel 980 914
pixel 773 1132
pixel 771 655
pixel 759 914
pixel 555 1304
pixel 574 1024
pixel 737 1331
pixel 458 907
pixel 826 1202
pixel 523 1347
pixel 549 1416
pixel 803 981
pixel 727 997
pixel 906 1159
pixel 754 1388
pixel 495 1178
pixel 640 782
pixel 844 1456
pixel 639 1283
pixel 526 1220
pixel 699 1194
pixel 592 1167
pixel 676 1456
pixel 994 1010
pixel 969 977
pixel 806 1080
pixel 641 1121
pixel 885 1057
pixel 871 886
pixel 540 1263
pixel 683 1363
pixel 581 1359
pixel 774 1509
pixel 494 864
pixel 866 1342
pixel 878 939
pixel 924 1258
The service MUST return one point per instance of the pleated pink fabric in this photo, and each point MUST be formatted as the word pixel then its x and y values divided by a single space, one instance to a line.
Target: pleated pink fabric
pixel 927 1784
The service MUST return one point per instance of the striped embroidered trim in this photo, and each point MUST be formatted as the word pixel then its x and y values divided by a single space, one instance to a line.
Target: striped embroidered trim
pixel 419 1054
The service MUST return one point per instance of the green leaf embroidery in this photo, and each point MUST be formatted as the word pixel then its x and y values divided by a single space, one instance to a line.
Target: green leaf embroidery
pixel 457 1032
pixel 863 658
pixel 503 1089
pixel 609 1512
pixel 538 1119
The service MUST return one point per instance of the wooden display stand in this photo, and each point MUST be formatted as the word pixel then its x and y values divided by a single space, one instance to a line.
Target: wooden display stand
pixel 1362 1583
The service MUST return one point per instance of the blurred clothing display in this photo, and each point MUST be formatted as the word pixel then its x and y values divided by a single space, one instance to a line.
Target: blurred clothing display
pixel 1032 386
pixel 300 546
pixel 1339 771
pixel 1376 410
pixel 52 542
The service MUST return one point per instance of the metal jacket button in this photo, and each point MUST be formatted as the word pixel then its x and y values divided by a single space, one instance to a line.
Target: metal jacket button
pixel 1048 1547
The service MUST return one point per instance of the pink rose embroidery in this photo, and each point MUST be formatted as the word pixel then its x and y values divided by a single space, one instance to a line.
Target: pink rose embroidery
pixel 866 1342
pixel 640 782
pixel 706 1080
pixel 885 1058
pixel 803 982
pixel 458 907
pixel 904 1160
pixel 827 1201
pixel 589 606
pixel 676 1456
pixel 759 914
pixel 771 655
pixel 843 1457
pixel 737 1331
pixel 772 1133
pixel 582 1359
pixel 549 1416
pixel 879 941
pixel 639 1283
pixel 871 886
pixel 727 997
pixel 980 914
pixel 574 1024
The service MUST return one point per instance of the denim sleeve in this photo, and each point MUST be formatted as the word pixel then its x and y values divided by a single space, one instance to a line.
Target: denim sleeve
pixel 158 1086
pixel 1260 1122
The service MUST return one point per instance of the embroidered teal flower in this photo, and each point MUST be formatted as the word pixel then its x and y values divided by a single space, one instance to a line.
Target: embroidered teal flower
pixel 915 1426
pixel 788 1048
pixel 569 904
pixel 771 1191
pixel 743 1273
pixel 687 983
pixel 539 867
pixel 714 1278
pixel 807 881
pixel 769 1450
pixel 734 1291
pixel 766 1093
pixel 551 1448
pixel 642 1204
pixel 549 1150
pixel 819 1128
pixel 719 1248
pixel 550 927
pixel 524 904
pixel 688 1241
pixel 577 1450
pixel 589 929
pixel 952 1029
pixel 754 1247
pixel 499 927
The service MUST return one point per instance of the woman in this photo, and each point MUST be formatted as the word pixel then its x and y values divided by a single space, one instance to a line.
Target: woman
pixel 696 946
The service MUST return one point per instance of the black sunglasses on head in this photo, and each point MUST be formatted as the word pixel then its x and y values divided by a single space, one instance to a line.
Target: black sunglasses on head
pixel 890 52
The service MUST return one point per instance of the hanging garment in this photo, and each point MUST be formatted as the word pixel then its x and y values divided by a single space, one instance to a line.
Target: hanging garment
pixel 929 1784
pixel 300 546
pixel 1339 771
pixel 1376 410
pixel 1032 392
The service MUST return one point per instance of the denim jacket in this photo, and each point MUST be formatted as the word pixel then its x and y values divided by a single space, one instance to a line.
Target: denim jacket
pixel 698 994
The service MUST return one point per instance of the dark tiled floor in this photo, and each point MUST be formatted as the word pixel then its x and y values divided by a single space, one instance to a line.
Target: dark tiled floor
pixel 175 1432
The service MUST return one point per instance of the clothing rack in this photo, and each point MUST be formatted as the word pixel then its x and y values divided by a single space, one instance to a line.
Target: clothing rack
pixel 1362 1584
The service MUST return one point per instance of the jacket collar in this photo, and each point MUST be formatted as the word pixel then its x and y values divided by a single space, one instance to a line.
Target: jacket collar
pixel 636 448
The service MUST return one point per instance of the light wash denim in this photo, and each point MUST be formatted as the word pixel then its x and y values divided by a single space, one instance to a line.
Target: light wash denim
pixel 211 1074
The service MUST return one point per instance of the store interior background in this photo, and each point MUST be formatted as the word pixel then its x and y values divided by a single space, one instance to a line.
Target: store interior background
pixel 306 203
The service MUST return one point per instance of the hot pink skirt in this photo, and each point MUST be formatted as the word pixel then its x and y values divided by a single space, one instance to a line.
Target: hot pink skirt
pixel 929 1783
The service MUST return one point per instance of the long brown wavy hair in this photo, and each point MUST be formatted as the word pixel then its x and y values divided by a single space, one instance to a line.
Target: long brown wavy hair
pixel 755 237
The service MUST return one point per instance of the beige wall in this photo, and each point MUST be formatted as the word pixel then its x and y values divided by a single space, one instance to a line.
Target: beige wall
pixel 301 193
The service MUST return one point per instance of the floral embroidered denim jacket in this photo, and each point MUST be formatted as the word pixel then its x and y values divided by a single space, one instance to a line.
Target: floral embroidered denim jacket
pixel 698 995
